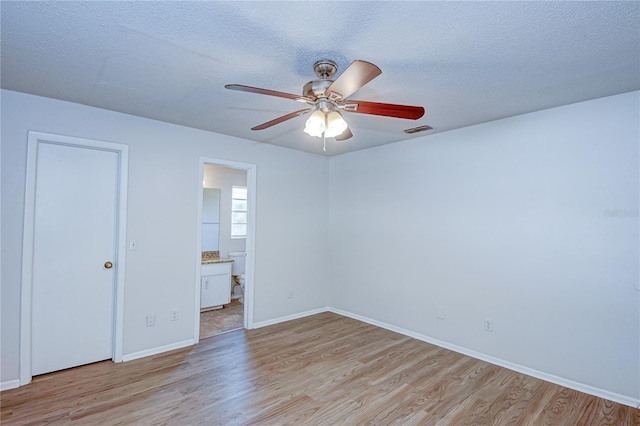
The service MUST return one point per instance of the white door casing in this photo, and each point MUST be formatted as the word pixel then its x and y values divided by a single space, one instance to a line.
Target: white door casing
pixel 75 213
pixel 251 170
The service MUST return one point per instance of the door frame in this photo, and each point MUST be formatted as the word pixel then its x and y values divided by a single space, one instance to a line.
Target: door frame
pixel 251 170
pixel 34 140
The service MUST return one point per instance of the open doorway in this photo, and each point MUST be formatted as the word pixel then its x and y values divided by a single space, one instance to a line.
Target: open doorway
pixel 225 255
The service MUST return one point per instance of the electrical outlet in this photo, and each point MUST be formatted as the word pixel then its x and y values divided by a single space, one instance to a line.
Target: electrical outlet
pixel 174 314
pixel 441 312
pixel 290 294
pixel 151 320
pixel 488 324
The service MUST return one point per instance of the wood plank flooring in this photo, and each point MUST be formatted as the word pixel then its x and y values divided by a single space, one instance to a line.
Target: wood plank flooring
pixel 321 370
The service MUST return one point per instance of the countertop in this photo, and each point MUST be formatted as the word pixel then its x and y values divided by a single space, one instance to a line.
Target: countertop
pixel 211 261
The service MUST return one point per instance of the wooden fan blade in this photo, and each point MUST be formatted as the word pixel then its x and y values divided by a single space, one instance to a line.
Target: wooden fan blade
pixel 344 135
pixel 260 91
pixel 281 119
pixel 386 110
pixel 357 75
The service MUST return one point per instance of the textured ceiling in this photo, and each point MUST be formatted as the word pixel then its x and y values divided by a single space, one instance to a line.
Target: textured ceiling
pixel 465 62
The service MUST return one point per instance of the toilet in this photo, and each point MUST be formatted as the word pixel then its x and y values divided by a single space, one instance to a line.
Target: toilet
pixel 237 270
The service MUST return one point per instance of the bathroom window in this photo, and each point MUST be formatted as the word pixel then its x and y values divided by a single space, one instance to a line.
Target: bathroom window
pixel 238 211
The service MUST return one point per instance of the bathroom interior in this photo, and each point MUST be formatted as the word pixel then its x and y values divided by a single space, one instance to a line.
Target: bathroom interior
pixel 224 228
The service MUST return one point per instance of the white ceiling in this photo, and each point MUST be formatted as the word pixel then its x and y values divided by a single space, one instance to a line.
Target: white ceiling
pixel 465 62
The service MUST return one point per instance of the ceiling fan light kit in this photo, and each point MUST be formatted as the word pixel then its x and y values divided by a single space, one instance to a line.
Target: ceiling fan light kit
pixel 325 120
pixel 315 125
pixel 335 124
pixel 326 97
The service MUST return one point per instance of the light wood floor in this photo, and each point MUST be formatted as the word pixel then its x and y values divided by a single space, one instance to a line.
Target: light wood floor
pixel 218 321
pixel 320 370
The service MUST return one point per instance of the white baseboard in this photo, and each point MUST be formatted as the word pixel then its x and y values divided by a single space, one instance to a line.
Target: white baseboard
pixel 289 317
pixel 9 384
pixel 158 350
pixel 581 387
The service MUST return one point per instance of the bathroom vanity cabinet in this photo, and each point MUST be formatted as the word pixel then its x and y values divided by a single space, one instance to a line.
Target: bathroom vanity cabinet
pixel 215 289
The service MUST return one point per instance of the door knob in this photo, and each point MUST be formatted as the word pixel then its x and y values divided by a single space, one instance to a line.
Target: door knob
pixel 108 265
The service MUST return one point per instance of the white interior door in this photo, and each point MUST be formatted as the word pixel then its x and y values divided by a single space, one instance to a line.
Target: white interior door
pixel 75 225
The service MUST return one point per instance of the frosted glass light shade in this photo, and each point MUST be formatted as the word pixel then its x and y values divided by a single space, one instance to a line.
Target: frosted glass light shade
pixel 315 125
pixel 335 124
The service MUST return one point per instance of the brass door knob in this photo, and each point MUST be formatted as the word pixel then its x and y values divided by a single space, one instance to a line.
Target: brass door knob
pixel 108 265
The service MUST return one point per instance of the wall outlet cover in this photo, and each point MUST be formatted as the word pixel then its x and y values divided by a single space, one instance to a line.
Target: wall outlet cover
pixel 488 324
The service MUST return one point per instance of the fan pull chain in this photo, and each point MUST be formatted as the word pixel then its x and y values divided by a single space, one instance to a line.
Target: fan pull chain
pixel 324 143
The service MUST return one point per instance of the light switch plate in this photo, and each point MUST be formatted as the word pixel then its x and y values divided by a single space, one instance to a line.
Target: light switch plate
pixel 151 320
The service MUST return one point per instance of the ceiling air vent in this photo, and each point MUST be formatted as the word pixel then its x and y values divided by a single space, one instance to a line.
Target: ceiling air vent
pixel 418 129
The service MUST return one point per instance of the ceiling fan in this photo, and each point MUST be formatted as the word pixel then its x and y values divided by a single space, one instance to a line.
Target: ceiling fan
pixel 326 97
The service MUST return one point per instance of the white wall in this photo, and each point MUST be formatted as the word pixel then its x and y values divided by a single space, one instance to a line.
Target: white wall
pixel 504 220
pixel 292 218
pixel 224 179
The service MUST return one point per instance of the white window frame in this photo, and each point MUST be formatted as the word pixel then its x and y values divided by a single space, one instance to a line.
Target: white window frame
pixel 246 210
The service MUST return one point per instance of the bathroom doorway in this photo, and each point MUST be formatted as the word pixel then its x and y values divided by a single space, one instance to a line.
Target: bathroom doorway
pixel 217 321
pixel 224 264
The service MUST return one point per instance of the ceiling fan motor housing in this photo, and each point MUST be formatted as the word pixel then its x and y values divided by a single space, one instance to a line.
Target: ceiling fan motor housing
pixel 315 89
pixel 325 69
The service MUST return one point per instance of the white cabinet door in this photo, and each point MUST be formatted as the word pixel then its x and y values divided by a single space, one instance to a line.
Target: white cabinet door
pixel 216 290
